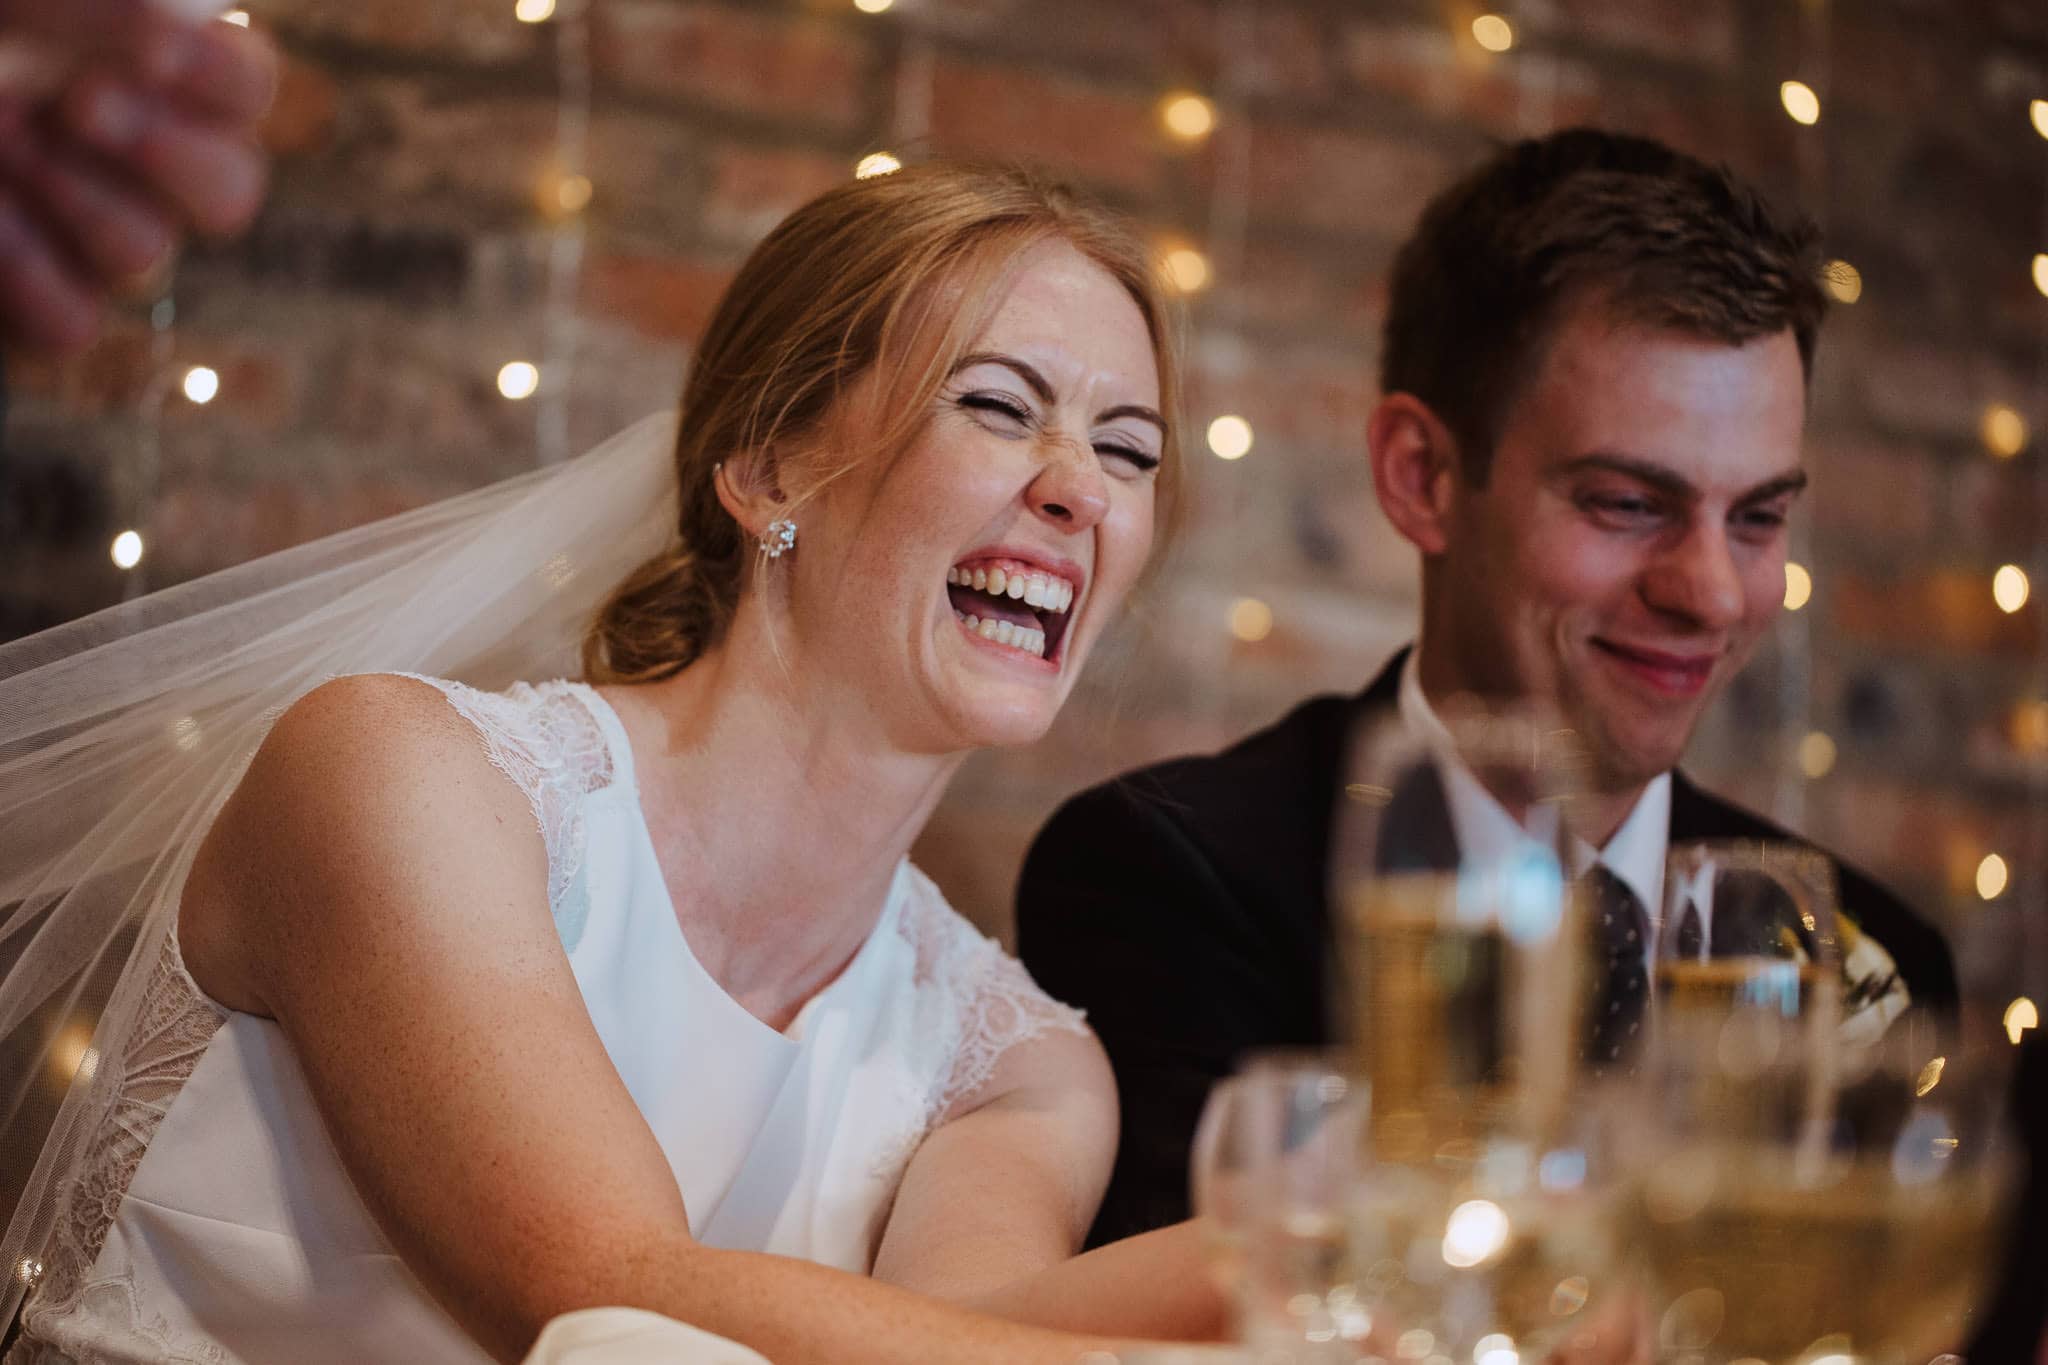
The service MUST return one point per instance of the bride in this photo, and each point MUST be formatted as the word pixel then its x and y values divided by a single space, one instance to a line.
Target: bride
pixel 449 1010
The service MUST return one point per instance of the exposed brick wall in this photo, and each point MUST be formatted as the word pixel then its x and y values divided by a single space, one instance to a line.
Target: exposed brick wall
pixel 403 258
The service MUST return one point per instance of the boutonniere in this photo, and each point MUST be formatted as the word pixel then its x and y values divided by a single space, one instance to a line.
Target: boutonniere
pixel 1873 992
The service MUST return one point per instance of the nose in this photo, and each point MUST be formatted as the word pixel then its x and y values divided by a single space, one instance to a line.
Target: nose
pixel 1698 580
pixel 1070 491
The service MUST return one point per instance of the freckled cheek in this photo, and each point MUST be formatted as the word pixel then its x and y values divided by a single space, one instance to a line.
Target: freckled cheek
pixel 1124 542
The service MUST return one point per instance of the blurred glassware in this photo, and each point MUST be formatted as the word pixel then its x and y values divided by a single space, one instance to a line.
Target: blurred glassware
pixel 1274 1163
pixel 1818 1188
pixel 1486 1216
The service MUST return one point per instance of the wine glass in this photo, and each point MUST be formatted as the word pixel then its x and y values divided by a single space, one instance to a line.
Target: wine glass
pixel 1485 1221
pixel 1272 1168
pixel 1829 1165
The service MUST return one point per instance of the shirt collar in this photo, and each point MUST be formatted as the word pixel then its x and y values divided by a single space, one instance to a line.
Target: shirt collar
pixel 1635 853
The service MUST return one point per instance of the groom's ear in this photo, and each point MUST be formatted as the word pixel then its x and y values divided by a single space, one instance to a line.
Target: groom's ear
pixel 749 492
pixel 1414 469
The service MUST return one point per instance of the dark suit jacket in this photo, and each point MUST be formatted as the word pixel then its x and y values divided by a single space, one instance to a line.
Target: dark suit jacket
pixel 1184 907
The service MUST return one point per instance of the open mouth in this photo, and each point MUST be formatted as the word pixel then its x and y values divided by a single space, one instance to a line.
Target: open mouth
pixel 1012 604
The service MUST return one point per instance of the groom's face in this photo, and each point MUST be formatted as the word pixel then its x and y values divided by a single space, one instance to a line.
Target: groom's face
pixel 1627 550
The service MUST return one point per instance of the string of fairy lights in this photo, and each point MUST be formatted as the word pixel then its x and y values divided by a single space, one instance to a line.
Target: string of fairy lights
pixel 1188 118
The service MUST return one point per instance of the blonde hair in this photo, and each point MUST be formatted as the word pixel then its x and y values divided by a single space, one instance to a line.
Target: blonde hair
pixel 900 271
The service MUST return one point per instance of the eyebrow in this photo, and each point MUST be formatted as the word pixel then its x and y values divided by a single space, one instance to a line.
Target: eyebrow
pixel 1674 485
pixel 1043 388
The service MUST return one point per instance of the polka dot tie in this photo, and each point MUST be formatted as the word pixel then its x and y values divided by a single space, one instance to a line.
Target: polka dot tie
pixel 1621 993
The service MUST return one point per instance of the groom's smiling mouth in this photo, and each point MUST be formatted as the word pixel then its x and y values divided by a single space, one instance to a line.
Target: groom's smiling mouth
pixel 1013 603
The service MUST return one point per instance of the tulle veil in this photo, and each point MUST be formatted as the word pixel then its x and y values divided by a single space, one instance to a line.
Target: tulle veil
pixel 122 733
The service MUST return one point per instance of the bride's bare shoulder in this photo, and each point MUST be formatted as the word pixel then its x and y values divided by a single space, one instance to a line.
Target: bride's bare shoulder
pixel 370 790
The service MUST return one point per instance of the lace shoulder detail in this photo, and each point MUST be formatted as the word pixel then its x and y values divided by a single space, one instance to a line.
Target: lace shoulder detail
pixel 546 739
pixel 133 1086
pixel 990 1003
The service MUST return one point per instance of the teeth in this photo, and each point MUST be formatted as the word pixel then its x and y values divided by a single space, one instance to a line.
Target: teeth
pixel 1027 638
pixel 1042 591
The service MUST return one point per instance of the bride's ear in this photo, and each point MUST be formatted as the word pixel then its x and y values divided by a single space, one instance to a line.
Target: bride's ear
pixel 748 491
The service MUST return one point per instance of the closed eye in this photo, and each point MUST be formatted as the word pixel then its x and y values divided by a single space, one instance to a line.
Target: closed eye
pixel 1622 511
pixel 1000 405
pixel 1144 461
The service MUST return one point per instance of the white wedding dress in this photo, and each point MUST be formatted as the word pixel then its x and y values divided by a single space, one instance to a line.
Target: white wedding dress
pixel 214 1221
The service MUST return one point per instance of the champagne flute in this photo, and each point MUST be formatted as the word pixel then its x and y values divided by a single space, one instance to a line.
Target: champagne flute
pixel 1824 1186
pixel 1485 1221
pixel 1272 1167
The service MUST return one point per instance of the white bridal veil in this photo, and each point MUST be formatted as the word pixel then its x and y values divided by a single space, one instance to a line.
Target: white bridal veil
pixel 122 733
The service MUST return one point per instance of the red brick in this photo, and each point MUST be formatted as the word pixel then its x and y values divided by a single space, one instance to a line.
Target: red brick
pixel 1100 135
pixel 1932 611
pixel 1447 73
pixel 1346 183
pixel 301 117
pixel 1869 491
pixel 794 68
pixel 753 189
pixel 1702 32
pixel 667 297
pixel 479 31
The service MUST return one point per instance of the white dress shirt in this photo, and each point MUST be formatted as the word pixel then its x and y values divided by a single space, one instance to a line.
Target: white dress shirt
pixel 1635 853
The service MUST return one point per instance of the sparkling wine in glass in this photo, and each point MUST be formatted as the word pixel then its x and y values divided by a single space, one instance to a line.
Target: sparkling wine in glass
pixel 1274 1162
pixel 1822 1185
pixel 1486 1220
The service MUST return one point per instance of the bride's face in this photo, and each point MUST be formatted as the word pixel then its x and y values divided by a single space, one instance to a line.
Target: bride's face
pixel 961 586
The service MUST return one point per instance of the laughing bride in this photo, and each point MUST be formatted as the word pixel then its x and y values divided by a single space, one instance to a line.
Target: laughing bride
pixel 447 1010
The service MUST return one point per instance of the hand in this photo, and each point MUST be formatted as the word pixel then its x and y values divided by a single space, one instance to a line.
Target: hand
pixel 122 129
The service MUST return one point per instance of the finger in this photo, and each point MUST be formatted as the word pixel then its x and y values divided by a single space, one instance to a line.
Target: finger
pixel 116 234
pixel 41 304
pixel 213 179
pixel 223 72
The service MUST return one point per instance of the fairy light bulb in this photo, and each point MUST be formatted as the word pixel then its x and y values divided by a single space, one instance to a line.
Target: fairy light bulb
pixel 1493 33
pixel 1230 437
pixel 1800 102
pixel 519 380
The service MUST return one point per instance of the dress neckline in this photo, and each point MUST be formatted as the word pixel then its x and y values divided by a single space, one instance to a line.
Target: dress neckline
pixel 626 782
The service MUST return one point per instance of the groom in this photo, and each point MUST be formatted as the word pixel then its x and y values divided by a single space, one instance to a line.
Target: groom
pixel 1595 369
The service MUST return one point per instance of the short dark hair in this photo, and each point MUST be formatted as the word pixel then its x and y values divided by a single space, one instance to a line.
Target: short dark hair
pixel 1647 233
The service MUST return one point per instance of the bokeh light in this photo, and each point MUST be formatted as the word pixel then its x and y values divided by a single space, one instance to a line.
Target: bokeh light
pixel 2004 431
pixel 1817 755
pixel 2037 110
pixel 2010 588
pixel 2020 1016
pixel 873 6
pixel 1844 282
pixel 1476 1232
pixel 126 551
pixel 520 379
pixel 2041 271
pixel 1230 437
pixel 1798 586
pixel 201 384
pixel 238 17
pixel 1493 33
pixel 1187 116
pixel 534 11
pixel 1250 620
pixel 876 163
pixel 1992 877
pixel 1187 270
pixel 1800 102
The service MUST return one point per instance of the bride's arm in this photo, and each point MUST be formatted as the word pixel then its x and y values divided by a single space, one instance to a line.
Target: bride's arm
pixel 378 888
pixel 996 1201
